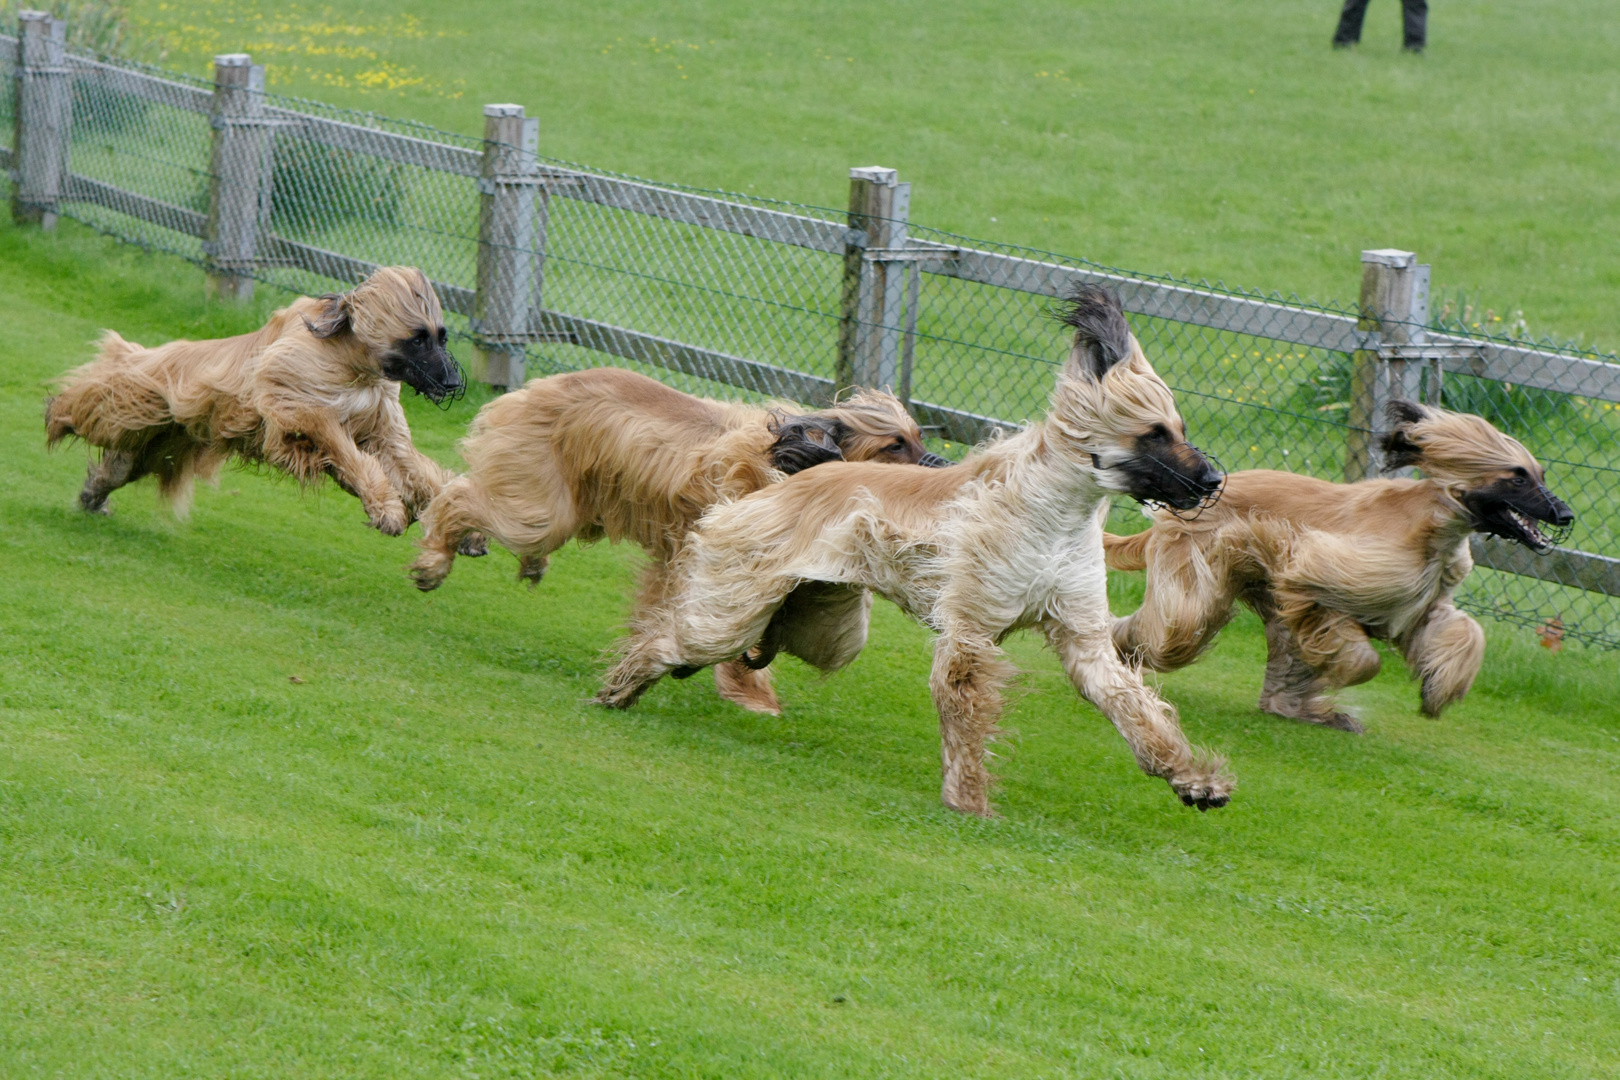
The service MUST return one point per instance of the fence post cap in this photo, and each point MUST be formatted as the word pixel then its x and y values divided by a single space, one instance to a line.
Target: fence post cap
pixel 503 110
pixel 233 59
pixel 1393 257
pixel 876 174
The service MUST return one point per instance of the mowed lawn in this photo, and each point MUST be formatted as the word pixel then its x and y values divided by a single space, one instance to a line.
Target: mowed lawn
pixel 267 811
pixel 1221 140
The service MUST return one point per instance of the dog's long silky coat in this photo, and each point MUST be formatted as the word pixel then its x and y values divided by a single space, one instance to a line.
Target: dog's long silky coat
pixel 611 453
pixel 1011 538
pixel 313 392
pixel 1329 566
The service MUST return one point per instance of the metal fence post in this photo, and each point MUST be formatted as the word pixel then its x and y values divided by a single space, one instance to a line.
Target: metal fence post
pixel 1395 303
pixel 511 244
pixel 240 171
pixel 44 115
pixel 869 329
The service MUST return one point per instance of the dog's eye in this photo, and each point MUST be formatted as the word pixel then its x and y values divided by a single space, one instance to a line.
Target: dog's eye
pixel 1158 433
pixel 898 447
pixel 1519 481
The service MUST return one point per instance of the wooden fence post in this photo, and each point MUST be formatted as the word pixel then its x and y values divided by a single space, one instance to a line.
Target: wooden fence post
pixel 869 328
pixel 511 245
pixel 241 171
pixel 44 116
pixel 1395 303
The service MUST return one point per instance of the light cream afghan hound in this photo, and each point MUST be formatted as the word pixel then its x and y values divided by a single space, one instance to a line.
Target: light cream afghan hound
pixel 313 392
pixel 611 453
pixel 1009 539
pixel 1330 566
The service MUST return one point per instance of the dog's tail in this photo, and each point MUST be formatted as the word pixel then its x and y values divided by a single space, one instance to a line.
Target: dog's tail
pixel 1126 552
pixel 108 400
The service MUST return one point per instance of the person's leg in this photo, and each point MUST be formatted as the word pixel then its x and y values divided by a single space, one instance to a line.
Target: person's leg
pixel 1350 19
pixel 1414 24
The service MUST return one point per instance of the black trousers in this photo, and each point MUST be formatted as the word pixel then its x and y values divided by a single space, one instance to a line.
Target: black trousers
pixel 1414 17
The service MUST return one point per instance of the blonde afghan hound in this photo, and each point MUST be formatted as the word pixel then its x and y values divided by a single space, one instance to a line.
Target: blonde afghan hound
pixel 1011 538
pixel 610 453
pixel 1330 566
pixel 313 392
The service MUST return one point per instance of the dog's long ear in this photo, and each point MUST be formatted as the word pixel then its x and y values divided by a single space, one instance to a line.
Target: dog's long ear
pixel 803 442
pixel 333 316
pixel 1102 337
pixel 1397 445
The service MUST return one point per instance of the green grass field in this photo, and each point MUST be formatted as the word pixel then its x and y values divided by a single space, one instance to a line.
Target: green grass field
pixel 1223 140
pixel 267 811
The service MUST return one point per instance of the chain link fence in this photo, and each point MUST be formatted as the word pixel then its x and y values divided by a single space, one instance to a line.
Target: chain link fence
pixel 547 265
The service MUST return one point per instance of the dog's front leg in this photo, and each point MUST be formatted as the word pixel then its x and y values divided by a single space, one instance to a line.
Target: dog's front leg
pixel 1445 651
pixel 969 672
pixel 418 477
pixel 1148 722
pixel 309 446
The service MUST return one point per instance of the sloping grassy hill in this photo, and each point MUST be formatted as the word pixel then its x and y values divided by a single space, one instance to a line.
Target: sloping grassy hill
pixel 266 811
pixel 1223 140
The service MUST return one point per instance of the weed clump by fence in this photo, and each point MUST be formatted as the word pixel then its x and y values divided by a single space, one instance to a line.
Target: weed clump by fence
pixel 546 265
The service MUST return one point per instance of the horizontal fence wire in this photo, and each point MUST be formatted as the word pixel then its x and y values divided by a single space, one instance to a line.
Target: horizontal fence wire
pixel 740 296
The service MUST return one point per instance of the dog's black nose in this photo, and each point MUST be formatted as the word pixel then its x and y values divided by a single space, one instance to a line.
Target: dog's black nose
pixel 1210 479
pixel 1561 513
pixel 934 461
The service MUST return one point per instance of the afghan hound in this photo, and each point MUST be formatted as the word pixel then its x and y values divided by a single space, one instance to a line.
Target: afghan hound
pixel 313 392
pixel 611 453
pixel 1329 566
pixel 1009 539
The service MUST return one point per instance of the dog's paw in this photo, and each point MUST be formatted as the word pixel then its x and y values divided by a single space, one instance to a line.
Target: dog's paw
pixel 618 697
pixel 428 573
pixel 1342 721
pixel 391 520
pixel 1207 785
pixel 473 545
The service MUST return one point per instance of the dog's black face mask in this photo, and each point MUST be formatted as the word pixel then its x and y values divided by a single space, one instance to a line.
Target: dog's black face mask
pixel 803 442
pixel 1511 506
pixel 422 362
pixel 1168 471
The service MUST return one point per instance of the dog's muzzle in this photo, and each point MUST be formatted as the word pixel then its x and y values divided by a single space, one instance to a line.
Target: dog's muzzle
pixel 442 387
pixel 934 461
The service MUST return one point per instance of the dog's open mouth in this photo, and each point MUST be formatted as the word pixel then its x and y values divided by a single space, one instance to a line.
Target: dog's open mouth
pixel 1511 524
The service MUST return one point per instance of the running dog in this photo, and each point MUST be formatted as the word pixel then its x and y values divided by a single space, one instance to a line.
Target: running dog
pixel 1329 566
pixel 313 392
pixel 611 453
pixel 1009 539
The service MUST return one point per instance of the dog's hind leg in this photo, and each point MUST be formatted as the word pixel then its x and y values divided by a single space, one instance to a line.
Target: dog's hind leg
pixel 742 685
pixel 1445 651
pixel 115 469
pixel 1300 678
pixel 681 625
pixel 1148 722
pixel 1293 689
pixel 969 672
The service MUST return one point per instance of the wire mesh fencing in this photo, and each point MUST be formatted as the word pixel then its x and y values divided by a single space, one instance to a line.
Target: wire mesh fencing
pixel 546 265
